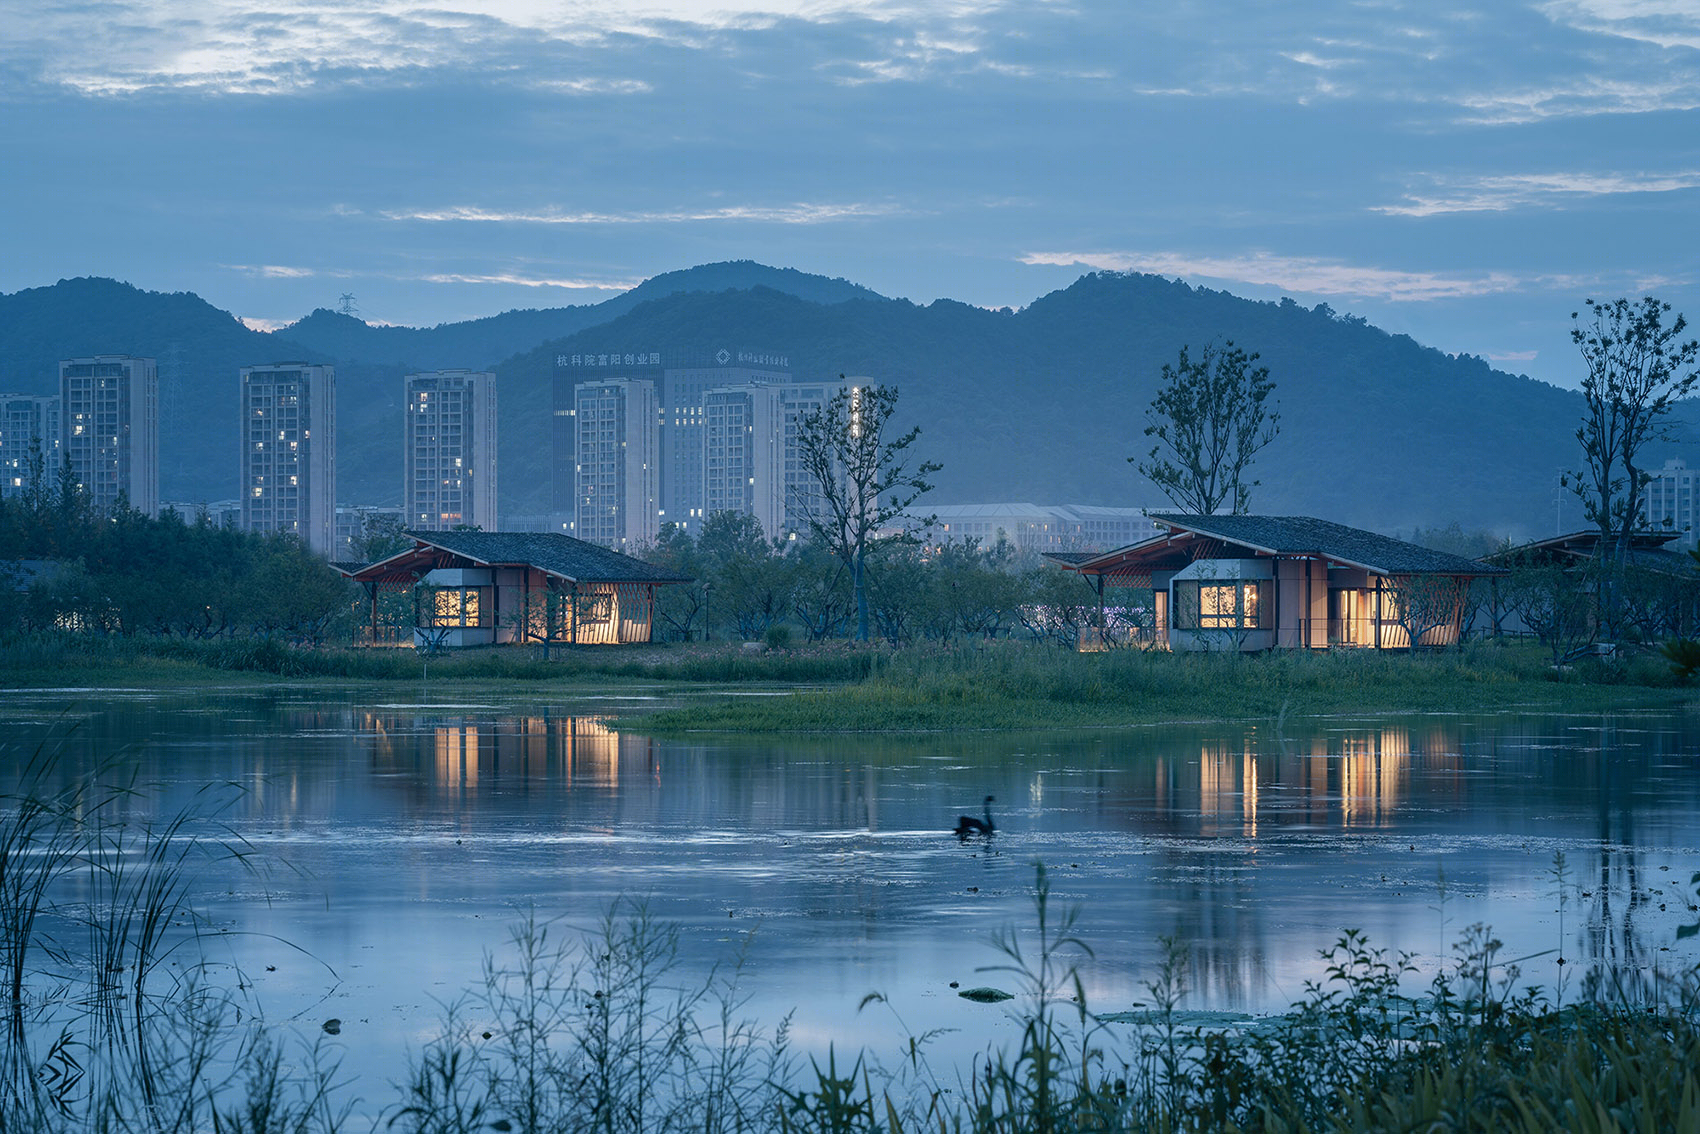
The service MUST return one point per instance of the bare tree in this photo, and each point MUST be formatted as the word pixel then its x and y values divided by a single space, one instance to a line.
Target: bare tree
pixel 1638 369
pixel 1428 608
pixel 866 481
pixel 1210 419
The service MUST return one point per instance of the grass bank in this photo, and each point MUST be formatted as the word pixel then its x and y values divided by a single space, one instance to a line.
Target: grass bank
pixel 66 659
pixel 994 685
pixel 1009 686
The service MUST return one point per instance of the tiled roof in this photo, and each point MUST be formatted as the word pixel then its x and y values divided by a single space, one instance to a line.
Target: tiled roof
pixel 553 552
pixel 1306 535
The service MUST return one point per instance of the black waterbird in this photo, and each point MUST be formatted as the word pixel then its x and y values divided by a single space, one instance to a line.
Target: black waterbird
pixel 968 825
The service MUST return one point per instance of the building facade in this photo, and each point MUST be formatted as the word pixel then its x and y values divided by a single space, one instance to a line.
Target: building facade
pixel 289 452
pixel 616 469
pixel 744 454
pixel 1668 502
pixel 451 450
pixel 680 380
pixel 802 490
pixel 29 441
pixel 109 423
pixel 1038 527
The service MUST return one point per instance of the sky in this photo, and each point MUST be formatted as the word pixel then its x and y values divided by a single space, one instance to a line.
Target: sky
pixel 1464 173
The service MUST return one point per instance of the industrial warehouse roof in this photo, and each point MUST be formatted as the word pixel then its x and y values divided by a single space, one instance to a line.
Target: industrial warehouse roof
pixel 1284 536
pixel 552 552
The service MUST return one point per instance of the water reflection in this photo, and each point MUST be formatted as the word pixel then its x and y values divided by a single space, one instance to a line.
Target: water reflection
pixel 408 833
pixel 460 752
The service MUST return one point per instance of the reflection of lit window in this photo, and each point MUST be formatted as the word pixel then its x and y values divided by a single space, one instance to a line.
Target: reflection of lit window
pixel 455 606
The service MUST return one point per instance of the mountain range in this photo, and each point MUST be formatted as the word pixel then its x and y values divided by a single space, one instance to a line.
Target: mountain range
pixel 1044 404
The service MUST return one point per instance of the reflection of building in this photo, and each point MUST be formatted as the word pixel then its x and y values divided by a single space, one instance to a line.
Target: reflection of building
pixel 465 753
pixel 29 427
pixel 484 588
pixel 289 452
pixel 109 421
pixel 450 450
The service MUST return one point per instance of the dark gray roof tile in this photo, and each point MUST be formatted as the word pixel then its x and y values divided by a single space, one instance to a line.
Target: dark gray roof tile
pixel 555 552
pixel 1306 535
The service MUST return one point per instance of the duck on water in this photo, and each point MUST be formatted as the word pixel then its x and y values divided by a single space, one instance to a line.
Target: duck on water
pixel 968 825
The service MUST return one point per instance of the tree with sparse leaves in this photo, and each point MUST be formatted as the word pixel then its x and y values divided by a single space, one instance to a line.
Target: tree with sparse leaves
pixel 865 481
pixel 1638 369
pixel 1210 418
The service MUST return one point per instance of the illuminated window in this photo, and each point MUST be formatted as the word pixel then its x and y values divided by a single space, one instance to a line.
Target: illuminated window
pixel 1232 605
pixel 455 606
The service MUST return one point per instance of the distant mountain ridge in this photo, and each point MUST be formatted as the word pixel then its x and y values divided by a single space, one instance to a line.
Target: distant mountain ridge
pixel 1045 404
pixel 479 344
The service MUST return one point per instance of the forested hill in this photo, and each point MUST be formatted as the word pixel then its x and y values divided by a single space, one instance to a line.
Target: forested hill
pixel 1044 404
pixel 199 350
pixel 481 343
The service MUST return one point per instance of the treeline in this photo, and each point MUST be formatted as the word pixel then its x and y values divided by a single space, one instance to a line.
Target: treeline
pixel 67 567
pixel 752 589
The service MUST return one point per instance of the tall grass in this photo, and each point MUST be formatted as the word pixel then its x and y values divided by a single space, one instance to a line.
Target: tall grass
pixel 100 1032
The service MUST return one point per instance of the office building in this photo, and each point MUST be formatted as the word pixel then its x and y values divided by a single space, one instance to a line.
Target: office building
pixel 680 380
pixel 289 452
pixel 355 523
pixel 616 470
pixel 451 450
pixel 744 454
pixel 802 490
pixel 109 429
pixel 29 441
pixel 1668 502
pixel 1035 527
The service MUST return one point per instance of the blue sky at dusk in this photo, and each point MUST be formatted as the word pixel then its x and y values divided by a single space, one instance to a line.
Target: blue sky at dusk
pixel 1466 174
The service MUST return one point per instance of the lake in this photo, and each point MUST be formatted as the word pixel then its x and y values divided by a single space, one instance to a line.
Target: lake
pixel 395 835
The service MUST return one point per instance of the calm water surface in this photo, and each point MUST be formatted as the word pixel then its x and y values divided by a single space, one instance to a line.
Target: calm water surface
pixel 399 834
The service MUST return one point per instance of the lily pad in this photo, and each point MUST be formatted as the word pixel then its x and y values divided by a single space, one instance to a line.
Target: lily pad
pixel 986 995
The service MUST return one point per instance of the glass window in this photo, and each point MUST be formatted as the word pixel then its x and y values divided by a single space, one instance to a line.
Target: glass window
pixel 455 606
pixel 1234 605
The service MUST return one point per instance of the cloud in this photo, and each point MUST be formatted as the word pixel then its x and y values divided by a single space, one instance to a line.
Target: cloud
pixel 1513 355
pixel 1515 191
pixel 272 271
pixel 529 281
pixel 1293 273
pixel 801 213
pixel 257 323
pixel 1663 23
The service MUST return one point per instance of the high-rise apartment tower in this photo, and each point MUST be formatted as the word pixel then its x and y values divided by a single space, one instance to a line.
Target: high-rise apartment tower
pixel 451 450
pixel 109 423
pixel 289 452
